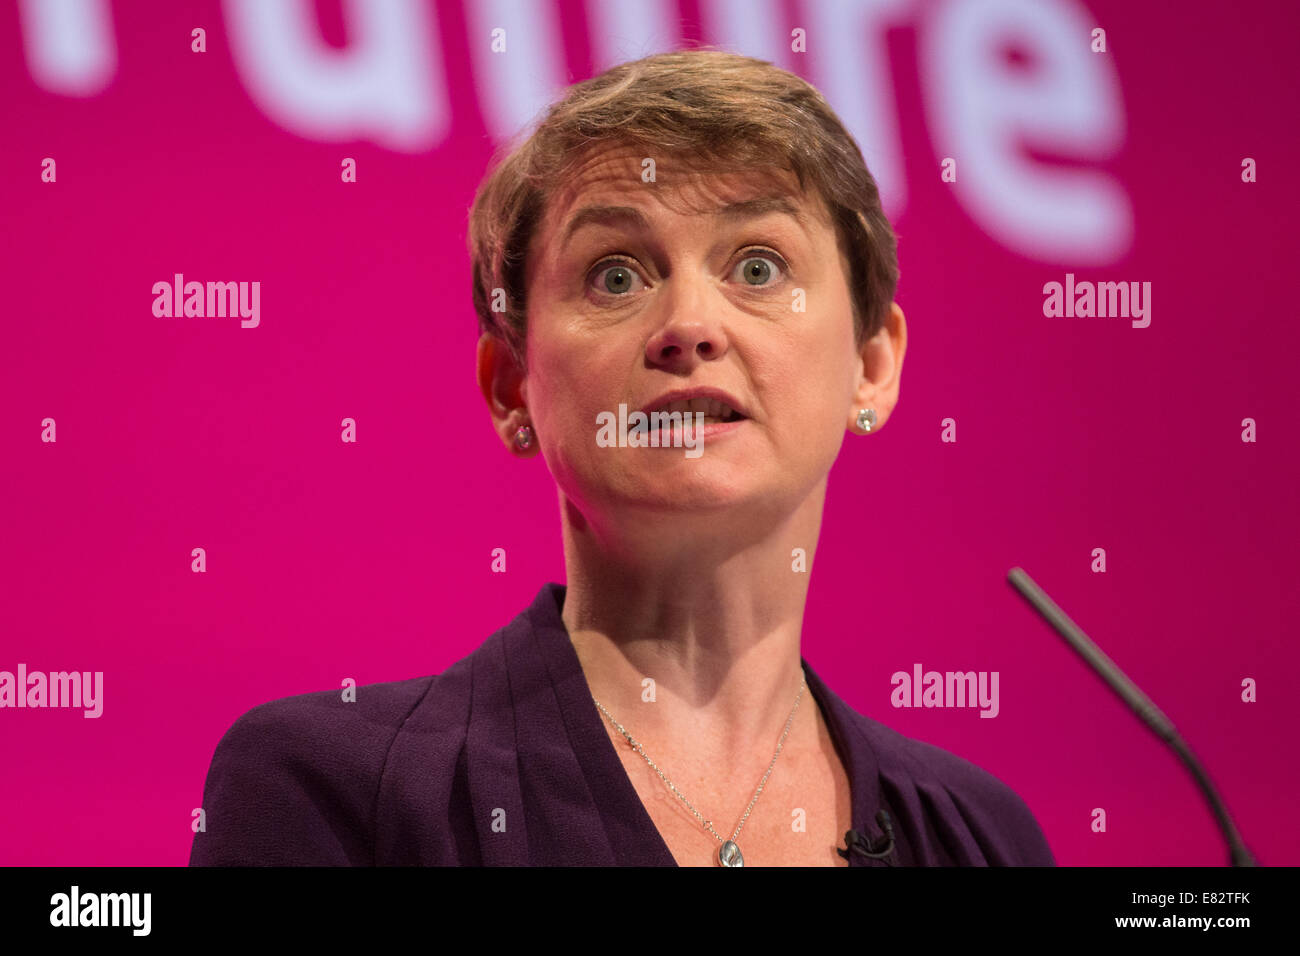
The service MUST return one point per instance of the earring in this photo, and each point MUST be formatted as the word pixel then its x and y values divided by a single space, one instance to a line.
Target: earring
pixel 524 437
pixel 867 419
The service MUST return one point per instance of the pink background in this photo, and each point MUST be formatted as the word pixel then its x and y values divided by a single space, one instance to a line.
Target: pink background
pixel 372 561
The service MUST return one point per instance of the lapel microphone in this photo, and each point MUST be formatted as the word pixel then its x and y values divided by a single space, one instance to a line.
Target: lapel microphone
pixel 859 843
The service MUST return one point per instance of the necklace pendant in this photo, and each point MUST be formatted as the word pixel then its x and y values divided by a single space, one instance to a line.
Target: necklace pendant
pixel 729 855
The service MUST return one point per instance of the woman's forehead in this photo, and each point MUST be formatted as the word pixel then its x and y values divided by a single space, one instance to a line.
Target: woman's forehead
pixel 627 176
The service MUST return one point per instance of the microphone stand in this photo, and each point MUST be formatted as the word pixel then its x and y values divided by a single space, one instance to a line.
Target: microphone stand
pixel 1129 692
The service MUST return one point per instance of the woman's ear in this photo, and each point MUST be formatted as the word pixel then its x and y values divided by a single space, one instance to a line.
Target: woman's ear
pixel 882 368
pixel 503 385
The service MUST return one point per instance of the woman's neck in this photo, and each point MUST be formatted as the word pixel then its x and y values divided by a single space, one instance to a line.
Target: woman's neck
pixel 699 638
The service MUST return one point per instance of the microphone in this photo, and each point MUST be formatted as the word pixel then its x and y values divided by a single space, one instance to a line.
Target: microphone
pixel 856 842
pixel 1142 705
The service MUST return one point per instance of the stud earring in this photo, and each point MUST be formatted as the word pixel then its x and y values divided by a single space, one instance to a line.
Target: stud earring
pixel 524 437
pixel 867 419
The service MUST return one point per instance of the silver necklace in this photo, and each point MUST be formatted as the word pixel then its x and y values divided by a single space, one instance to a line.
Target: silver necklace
pixel 729 853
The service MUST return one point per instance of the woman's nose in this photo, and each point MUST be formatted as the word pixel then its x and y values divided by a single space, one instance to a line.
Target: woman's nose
pixel 692 330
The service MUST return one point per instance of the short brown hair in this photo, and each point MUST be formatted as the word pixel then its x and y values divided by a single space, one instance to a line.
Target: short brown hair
pixel 728 110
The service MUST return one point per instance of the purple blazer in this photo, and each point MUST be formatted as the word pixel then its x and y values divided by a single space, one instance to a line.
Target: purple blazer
pixel 415 772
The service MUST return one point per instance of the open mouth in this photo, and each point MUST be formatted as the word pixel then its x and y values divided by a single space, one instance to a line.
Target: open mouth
pixel 714 411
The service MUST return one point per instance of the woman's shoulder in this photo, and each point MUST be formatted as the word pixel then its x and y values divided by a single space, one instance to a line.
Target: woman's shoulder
pixel 360 714
pixel 970 799
pixel 293 780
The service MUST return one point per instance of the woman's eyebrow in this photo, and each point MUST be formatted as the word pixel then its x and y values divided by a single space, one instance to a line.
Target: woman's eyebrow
pixel 604 215
pixel 752 208
pixel 631 216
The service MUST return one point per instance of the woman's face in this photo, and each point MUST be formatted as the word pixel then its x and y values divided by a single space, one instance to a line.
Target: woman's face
pixel 682 292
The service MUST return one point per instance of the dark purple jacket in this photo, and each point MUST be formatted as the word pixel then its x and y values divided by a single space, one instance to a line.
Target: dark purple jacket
pixel 414 773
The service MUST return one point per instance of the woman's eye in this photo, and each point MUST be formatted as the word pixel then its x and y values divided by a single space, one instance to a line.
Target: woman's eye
pixel 757 270
pixel 617 279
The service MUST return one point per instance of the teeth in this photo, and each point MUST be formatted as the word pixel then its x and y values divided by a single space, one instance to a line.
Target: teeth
pixel 711 407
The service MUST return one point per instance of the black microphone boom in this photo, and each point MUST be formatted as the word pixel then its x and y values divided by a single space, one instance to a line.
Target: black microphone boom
pixel 1151 715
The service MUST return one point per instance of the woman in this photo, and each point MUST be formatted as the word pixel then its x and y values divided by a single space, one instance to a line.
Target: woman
pixel 691 233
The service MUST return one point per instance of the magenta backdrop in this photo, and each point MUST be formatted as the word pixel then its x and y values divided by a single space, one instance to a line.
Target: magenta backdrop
pixel 329 560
